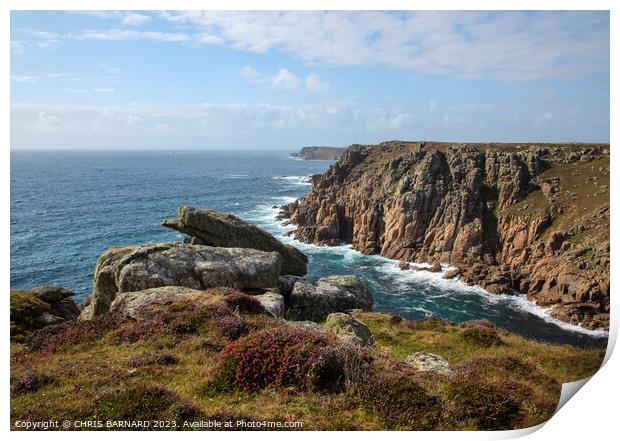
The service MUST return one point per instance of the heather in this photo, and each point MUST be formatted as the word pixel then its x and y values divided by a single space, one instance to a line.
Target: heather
pixel 225 358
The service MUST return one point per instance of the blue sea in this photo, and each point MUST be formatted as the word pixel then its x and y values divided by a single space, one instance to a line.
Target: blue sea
pixel 68 207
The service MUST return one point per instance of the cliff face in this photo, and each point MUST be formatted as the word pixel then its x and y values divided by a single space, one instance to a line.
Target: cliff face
pixel 323 153
pixel 534 218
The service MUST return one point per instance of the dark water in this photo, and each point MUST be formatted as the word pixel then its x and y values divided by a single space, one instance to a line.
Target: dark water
pixel 68 207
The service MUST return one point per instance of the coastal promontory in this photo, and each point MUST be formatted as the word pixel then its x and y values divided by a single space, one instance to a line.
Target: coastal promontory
pixel 529 218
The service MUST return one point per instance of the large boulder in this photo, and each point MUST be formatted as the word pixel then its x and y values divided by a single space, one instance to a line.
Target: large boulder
pixel 349 329
pixel 141 267
pixel 40 307
pixel 428 362
pixel 214 228
pixel 272 302
pixel 138 303
pixel 316 300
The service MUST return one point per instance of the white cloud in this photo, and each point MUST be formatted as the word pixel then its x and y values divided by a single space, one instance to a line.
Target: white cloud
pixel 135 19
pixel 286 80
pixel 267 125
pixel 23 78
pixel 283 79
pixel 250 73
pixel 104 90
pixel 315 84
pixel 17 47
pixel 493 45
pixel 129 34
pixel 499 45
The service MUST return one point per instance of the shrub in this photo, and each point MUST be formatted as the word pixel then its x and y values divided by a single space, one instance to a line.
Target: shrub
pixel 184 318
pixel 29 382
pixel 243 303
pixel 484 406
pixel 481 333
pixel 426 324
pixel 149 358
pixel 143 402
pixel 399 400
pixel 54 338
pixel 232 327
pixel 283 356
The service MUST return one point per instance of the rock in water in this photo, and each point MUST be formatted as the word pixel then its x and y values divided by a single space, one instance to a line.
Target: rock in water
pixel 213 228
pixel 140 267
pixel 315 301
pixel 425 361
pixel 349 329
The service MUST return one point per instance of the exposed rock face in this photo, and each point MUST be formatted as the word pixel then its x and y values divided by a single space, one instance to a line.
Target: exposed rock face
pixel 324 153
pixel 272 302
pixel 315 301
pixel 141 267
pixel 425 361
pixel 138 303
pixel 40 307
pixel 510 217
pixel 349 329
pixel 213 228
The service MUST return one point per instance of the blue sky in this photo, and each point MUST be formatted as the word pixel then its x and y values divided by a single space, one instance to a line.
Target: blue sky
pixel 281 80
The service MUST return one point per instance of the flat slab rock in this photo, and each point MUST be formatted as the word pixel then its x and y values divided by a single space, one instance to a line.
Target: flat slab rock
pixel 425 361
pixel 316 300
pixel 138 303
pixel 214 228
pixel 140 267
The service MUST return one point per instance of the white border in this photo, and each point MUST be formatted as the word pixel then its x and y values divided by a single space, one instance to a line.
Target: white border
pixel 592 415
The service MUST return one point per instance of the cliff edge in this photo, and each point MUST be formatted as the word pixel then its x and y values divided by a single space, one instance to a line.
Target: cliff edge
pixel 319 153
pixel 527 217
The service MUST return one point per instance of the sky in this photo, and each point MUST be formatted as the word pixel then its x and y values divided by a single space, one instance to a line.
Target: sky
pixel 282 80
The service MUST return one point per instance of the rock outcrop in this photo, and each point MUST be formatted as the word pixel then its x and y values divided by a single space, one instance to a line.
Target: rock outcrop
pixel 531 218
pixel 140 267
pixel 316 300
pixel 139 303
pixel 349 329
pixel 272 302
pixel 322 153
pixel 217 229
pixel 425 361
pixel 40 307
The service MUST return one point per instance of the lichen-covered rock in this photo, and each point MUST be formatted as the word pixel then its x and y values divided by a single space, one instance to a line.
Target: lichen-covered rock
pixel 42 306
pixel 316 300
pixel 349 329
pixel 308 324
pixel 214 228
pixel 425 361
pixel 138 303
pixel 272 302
pixel 197 267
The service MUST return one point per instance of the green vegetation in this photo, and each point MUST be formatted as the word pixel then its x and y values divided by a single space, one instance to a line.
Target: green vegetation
pixel 225 359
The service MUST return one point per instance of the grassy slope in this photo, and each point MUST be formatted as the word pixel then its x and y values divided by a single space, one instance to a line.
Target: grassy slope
pixel 85 371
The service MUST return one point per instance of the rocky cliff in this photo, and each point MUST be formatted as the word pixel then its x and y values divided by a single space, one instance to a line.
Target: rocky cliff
pixel 531 218
pixel 323 153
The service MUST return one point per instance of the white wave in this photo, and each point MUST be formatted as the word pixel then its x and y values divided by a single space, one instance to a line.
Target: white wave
pixel 237 176
pixel 295 180
pixel 404 278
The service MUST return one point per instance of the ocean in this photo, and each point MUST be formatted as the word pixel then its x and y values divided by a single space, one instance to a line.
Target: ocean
pixel 68 207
